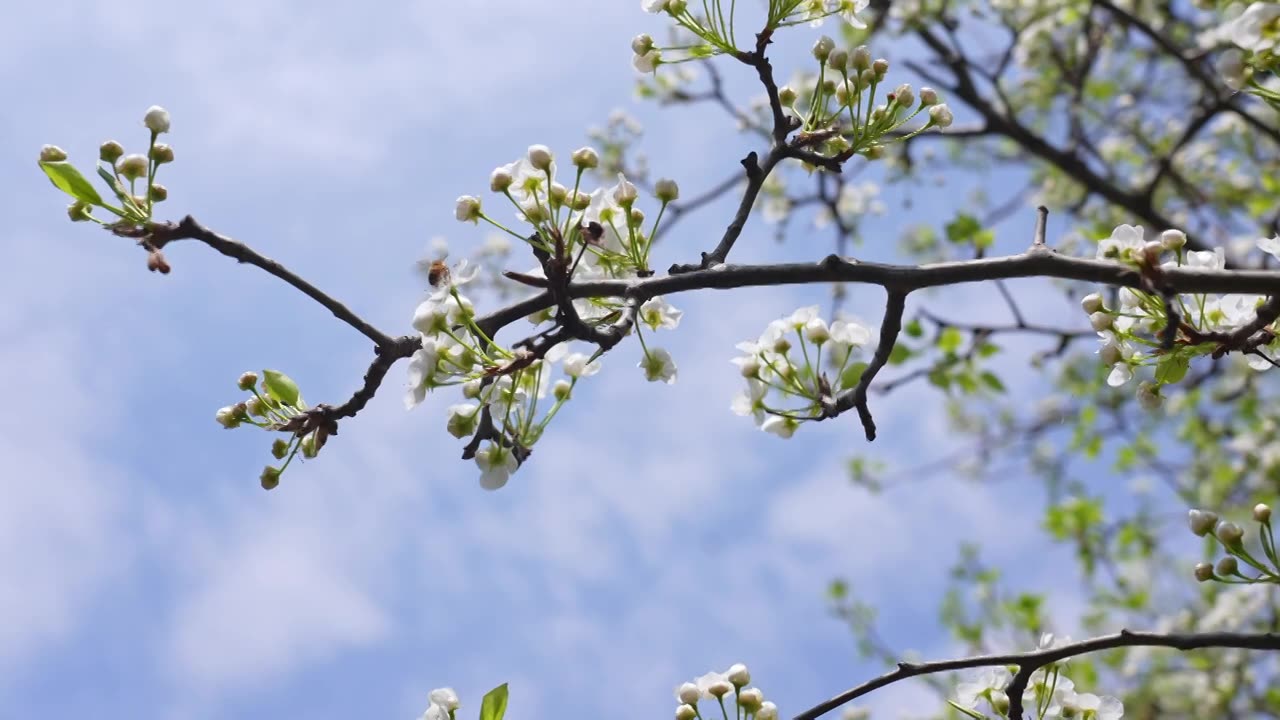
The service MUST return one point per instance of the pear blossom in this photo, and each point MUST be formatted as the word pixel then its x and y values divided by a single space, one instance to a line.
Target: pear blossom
pixel 1125 242
pixel 1271 246
pixel 445 698
pixel 496 464
pixel 1254 29
pixel 780 425
pixel 658 366
pixel 467 209
pixel 648 61
pixel 654 6
pixel 984 682
pixel 688 693
pixel 156 120
pixel 463 419
pixel 657 313
pixel 849 9
pixel 579 365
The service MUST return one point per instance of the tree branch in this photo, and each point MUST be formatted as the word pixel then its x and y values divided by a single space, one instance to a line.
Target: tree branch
pixel 1029 662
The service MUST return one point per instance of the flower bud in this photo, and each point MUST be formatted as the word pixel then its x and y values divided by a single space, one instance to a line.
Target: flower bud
pixel 1226 567
pixel 78 211
pixel 247 381
pixel 1262 513
pixel 580 201
pixel 158 193
pixel 533 213
pixel 254 406
pixel 586 158
pixel 750 367
pixel 467 209
pixel 786 95
pixel 561 390
pixel 471 389
pixel 157 263
pixel 52 153
pixel 1000 702
pixel 816 331
pixel 822 48
pixel 557 193
pixel 1230 534
pixel 1091 303
pixel 688 694
pixel 1149 397
pixel 161 153
pixel 636 216
pixel 880 67
pixel 500 179
pixel 110 151
pixel 1151 251
pixel 1203 572
pixel 666 190
pixel 641 43
pixel 156 119
pixel 738 675
pixel 866 77
pixel 1202 522
pixel 279 449
pixel 904 96
pixel 940 115
pixel 228 417
pixel 767 711
pixel 1173 240
pixel 838 59
pixel 860 58
pixel 677 7
pixel 270 478
pixel 874 152
pixel 928 96
pixel 750 699
pixel 1101 321
pixel 686 712
pixel 540 157
pixel 625 193
pixel 720 688
pixel 132 167
pixel 308 446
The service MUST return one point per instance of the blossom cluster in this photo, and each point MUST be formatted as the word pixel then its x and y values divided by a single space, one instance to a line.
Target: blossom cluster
pixel 1049 693
pixel 715 26
pixel 1230 536
pixel 131 178
pixel 1255 35
pixel 786 381
pixel 275 407
pixel 1131 329
pixel 715 687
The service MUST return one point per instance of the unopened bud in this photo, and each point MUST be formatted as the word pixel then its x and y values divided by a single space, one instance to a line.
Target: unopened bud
pixel 1000 702
pixel 750 699
pixel 838 59
pixel 247 381
pixel 52 153
pixel 786 95
pixel 156 119
pixel 1230 534
pixel 279 449
pixel 161 153
pixel 557 193
pixel 110 151
pixel 928 96
pixel 904 96
pixel 132 167
pixel 767 711
pixel 540 157
pixel 1204 572
pixel 78 211
pixel 641 44
pixel 586 158
pixel 880 67
pixel 940 115
pixel 686 712
pixel 270 478
pixel 228 417
pixel 158 193
pixel 1202 522
pixel 1101 321
pixel 874 152
pixel 1110 354
pixel 1151 251
pixel 467 209
pixel 1092 303
pixel 666 190
pixel 1226 567
pixel 561 390
pixel 1262 513
pixel 860 58
pixel 308 446
pixel 689 694
pixel 720 688
pixel 1173 240
pixel 500 179
pixel 739 675
pixel 822 48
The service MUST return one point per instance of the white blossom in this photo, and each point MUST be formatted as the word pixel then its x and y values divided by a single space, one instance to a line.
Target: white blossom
pixel 496 464
pixel 658 366
pixel 657 313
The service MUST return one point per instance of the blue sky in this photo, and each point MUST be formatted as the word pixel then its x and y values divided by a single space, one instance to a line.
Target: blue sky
pixel 655 536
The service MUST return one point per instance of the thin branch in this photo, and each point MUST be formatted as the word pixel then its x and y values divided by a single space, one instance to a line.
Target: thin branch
pixel 156 235
pixel 1029 662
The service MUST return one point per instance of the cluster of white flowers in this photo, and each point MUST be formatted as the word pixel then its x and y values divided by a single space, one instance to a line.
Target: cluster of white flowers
pixel 1255 33
pixel 1127 331
pixel 1231 536
pixel 131 177
pixel 787 363
pixel 1049 694
pixel 716 686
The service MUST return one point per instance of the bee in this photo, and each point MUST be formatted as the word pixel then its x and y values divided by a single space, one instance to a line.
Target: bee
pixel 437 273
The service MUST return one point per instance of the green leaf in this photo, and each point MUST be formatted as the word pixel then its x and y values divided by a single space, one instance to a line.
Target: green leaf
pixel 1171 369
pixel 913 329
pixel 964 227
pixel 852 374
pixel 899 354
pixel 989 379
pixel 280 387
pixel 950 340
pixel 68 179
pixel 494 705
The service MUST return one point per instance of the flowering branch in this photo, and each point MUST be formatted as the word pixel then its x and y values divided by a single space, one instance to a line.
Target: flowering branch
pixel 1030 662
